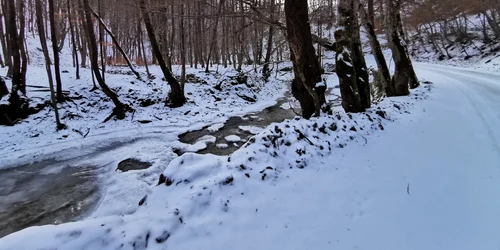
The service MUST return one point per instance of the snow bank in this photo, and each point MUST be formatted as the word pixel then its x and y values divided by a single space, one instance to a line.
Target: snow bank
pixel 195 189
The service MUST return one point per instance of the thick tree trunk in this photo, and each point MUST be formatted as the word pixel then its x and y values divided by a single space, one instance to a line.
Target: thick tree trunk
pixel 350 62
pixel 383 69
pixel 176 96
pixel 115 41
pixel 19 104
pixel 11 25
pixel 404 74
pixel 371 13
pixel 307 87
pixel 3 88
pixel 119 109
pixel 55 50
pixel 43 42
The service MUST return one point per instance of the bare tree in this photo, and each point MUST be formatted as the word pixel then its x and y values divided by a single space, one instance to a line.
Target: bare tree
pixel 43 42
pixel 176 96
pixel 404 74
pixel 119 110
pixel 55 50
pixel 350 62
pixel 307 86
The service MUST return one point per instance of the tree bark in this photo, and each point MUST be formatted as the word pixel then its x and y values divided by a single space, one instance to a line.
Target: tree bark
pixel 119 109
pixel 5 50
pixel 43 42
pixel 214 34
pixel 404 74
pixel 350 62
pixel 269 48
pixel 307 87
pixel 55 50
pixel 383 69
pixel 73 40
pixel 176 96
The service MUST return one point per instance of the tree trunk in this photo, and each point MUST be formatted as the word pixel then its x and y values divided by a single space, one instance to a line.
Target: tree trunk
pixel 371 13
pixel 55 50
pixel 182 47
pixel 119 109
pixel 5 50
pixel 3 88
pixel 43 42
pixel 350 62
pixel 101 45
pixel 404 74
pixel 214 34
pixel 73 40
pixel 383 69
pixel 18 102
pixel 176 95
pixel 307 87
pixel 265 71
pixel 494 26
pixel 11 25
pixel 22 46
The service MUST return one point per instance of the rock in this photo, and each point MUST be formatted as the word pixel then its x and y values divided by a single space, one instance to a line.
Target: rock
pixel 240 78
pixel 146 102
pixel 133 164
pixel 380 113
pixel 141 202
pixel 144 121
pixel 65 71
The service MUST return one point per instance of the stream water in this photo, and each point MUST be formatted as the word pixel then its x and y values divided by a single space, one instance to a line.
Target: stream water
pixel 54 191
pixel 45 192
pixel 260 119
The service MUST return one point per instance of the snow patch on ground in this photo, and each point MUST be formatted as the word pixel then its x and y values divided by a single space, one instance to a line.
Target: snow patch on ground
pixel 251 129
pixel 232 138
pixel 215 127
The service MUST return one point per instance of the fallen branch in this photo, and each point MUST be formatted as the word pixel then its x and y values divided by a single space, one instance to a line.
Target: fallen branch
pixel 116 43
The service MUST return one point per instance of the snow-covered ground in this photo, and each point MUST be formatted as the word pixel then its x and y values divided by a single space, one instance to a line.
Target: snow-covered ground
pixel 426 181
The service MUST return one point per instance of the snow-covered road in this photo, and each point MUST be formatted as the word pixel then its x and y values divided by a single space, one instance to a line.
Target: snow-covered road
pixel 431 180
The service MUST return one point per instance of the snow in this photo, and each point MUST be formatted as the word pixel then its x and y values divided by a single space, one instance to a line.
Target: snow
pixel 201 192
pixel 215 127
pixel 416 184
pixel 416 172
pixel 222 145
pixel 232 138
pixel 251 129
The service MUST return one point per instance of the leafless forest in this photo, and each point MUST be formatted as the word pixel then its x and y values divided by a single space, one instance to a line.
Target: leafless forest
pixel 231 33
